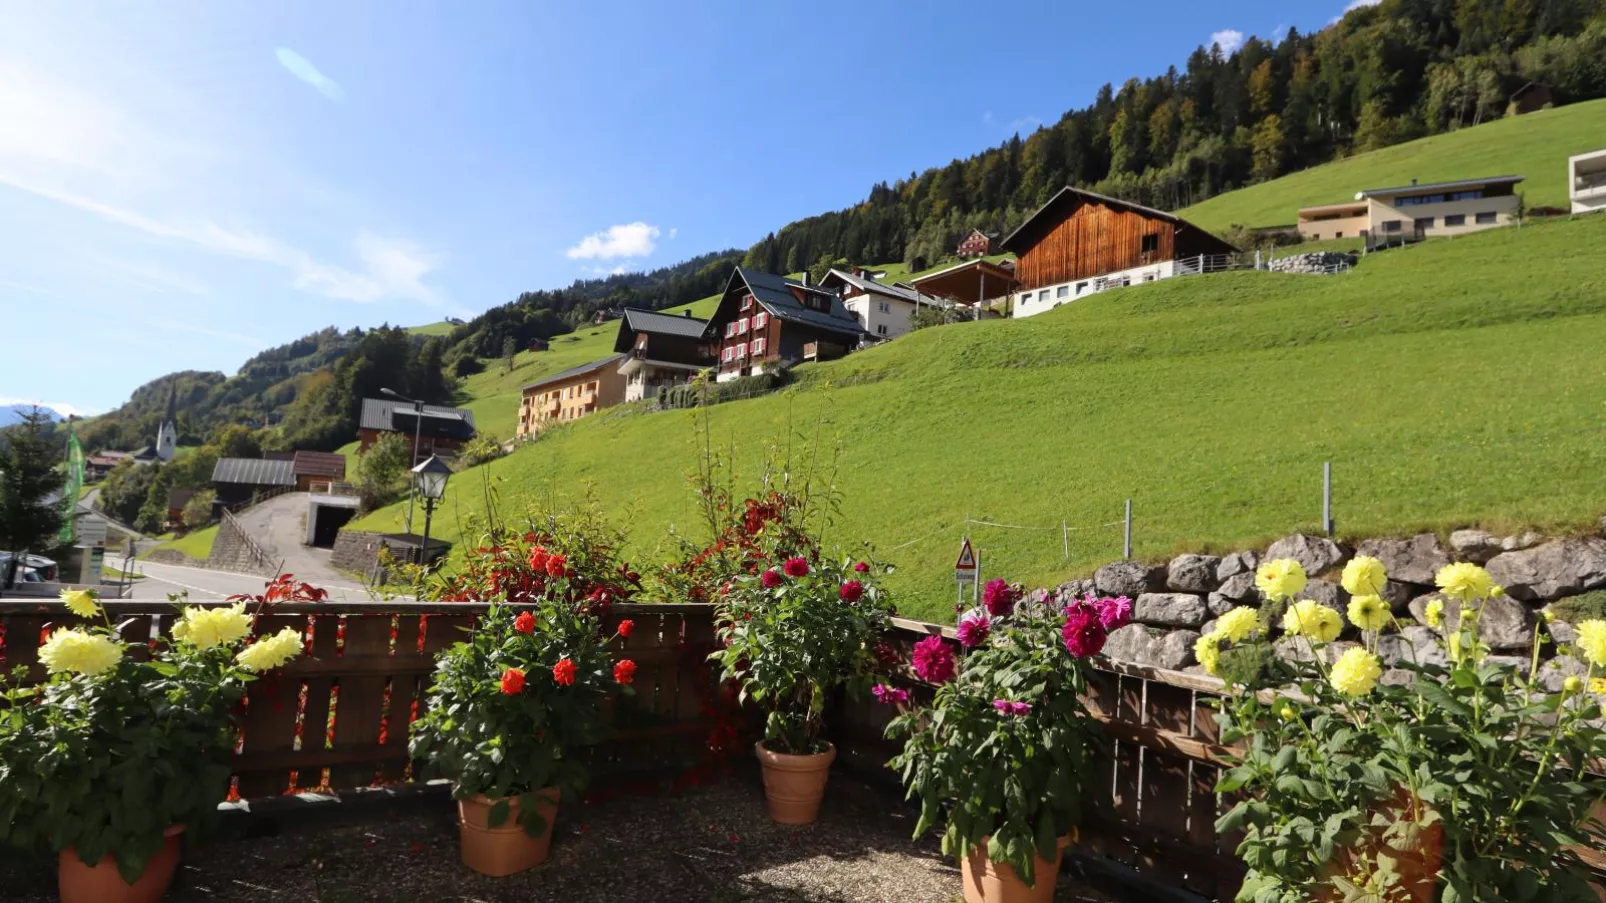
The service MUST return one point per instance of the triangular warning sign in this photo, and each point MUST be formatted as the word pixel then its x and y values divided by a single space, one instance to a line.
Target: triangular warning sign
pixel 967 557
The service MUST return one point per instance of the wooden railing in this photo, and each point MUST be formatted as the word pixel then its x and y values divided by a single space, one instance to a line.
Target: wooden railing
pixel 259 555
pixel 337 718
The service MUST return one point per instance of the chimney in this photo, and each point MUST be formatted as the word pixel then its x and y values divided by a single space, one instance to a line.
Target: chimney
pixel 805 278
pixel 685 313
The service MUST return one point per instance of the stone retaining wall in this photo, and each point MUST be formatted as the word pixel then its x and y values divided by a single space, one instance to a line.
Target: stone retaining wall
pixel 1176 601
pixel 1313 262
pixel 231 551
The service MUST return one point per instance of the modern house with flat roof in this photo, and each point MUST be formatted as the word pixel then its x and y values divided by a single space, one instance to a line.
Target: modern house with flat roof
pixel 885 311
pixel 1082 242
pixel 571 394
pixel 660 350
pixel 440 431
pixel 1586 181
pixel 1417 210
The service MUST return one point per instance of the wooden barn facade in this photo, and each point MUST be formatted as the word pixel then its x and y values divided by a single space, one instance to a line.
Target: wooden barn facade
pixel 1082 242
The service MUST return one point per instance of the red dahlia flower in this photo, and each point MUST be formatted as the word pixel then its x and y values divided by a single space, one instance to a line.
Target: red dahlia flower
pixel 554 566
pixel 626 626
pixel 1084 635
pixel 933 660
pixel 862 568
pixel 513 681
pixel 796 567
pixel 538 558
pixel 624 671
pixel 770 579
pixel 524 623
pixel 563 672
pixel 851 591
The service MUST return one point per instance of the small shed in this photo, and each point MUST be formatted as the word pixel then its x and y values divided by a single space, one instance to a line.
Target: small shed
pixel 1529 98
pixel 321 469
pixel 239 480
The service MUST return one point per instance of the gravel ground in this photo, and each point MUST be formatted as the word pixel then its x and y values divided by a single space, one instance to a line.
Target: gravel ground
pixel 713 844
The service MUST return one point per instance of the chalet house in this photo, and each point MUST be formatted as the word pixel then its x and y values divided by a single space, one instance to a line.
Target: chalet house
pixel 660 350
pixel 883 310
pixel 1081 242
pixel 239 480
pixel 318 470
pixel 765 321
pixel 1586 181
pixel 976 244
pixel 570 395
pixel 1428 210
pixel 98 466
pixel 443 431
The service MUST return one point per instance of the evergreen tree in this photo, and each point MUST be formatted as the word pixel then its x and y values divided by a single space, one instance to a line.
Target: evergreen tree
pixel 30 506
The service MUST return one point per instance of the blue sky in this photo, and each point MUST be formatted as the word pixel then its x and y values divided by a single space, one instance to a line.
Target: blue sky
pixel 183 184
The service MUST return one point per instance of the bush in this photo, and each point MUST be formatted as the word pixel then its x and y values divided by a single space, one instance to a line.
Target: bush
pixel 938 316
pixel 479 450
pixel 382 470
pixel 702 391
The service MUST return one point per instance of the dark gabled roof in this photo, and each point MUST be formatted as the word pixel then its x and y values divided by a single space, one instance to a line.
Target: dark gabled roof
pixel 380 414
pixel 652 322
pixel 253 472
pixel 178 498
pixel 574 371
pixel 1031 229
pixel 318 464
pixel 895 290
pixel 775 294
pixel 1437 186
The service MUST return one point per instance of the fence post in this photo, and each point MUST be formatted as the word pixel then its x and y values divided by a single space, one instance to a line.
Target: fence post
pixel 1126 546
pixel 1327 497
pixel 1065 536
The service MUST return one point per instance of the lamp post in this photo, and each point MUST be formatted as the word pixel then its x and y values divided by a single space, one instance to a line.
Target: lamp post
pixel 430 478
pixel 418 426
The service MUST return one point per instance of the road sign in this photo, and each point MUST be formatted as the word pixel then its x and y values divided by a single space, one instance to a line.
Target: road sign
pixel 91 531
pixel 965 567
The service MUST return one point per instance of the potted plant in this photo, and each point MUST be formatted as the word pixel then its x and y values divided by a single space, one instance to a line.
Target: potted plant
pixel 1456 779
pixel 112 761
pixel 1006 752
pixel 792 634
pixel 509 714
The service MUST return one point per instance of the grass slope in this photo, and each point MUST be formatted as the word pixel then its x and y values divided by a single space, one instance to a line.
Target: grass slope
pixel 1535 146
pixel 431 329
pixel 1457 382
pixel 196 544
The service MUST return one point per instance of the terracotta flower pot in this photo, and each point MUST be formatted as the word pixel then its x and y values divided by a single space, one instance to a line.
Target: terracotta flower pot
pixel 101 883
pixel 506 848
pixel 794 785
pixel 987 881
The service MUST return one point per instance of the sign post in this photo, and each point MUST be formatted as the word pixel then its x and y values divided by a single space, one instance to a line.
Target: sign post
pixel 966 570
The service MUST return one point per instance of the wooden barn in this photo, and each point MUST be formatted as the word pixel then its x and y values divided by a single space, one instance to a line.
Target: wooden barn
pixel 1082 242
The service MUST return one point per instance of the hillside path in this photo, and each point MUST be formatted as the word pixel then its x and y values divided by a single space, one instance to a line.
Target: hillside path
pixel 280 525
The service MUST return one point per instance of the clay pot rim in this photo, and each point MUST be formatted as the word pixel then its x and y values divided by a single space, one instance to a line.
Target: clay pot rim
pixel 512 799
pixel 793 761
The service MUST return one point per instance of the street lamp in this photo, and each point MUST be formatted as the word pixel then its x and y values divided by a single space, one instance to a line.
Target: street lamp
pixel 430 478
pixel 418 426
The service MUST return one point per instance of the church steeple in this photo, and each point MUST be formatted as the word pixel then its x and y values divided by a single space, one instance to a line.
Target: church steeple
pixel 167 433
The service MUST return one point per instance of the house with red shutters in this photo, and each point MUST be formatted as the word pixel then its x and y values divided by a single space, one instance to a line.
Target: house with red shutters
pixel 976 244
pixel 765 321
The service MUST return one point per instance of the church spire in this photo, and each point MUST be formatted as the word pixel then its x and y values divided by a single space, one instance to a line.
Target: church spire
pixel 172 402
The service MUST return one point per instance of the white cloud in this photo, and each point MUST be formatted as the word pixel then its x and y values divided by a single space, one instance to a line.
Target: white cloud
pixel 673 233
pixel 1353 6
pixel 636 239
pixel 1228 39
pixel 60 407
pixel 302 68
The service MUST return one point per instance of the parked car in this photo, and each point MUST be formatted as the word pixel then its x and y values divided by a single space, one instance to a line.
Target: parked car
pixel 42 569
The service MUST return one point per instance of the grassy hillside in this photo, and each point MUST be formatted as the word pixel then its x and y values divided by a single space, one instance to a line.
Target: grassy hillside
pixel 1535 146
pixel 428 329
pixel 1452 383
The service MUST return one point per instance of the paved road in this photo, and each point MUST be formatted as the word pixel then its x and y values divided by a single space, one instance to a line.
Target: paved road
pixel 203 585
pixel 280 526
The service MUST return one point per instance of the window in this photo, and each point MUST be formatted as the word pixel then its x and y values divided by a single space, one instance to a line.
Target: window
pixel 728 354
pixel 747 302
pixel 883 307
pixel 758 347
pixel 1424 222
pixel 1148 277
pixel 881 328
pixel 741 349
pixel 1457 219
pixel 1338 235
pixel 1062 291
pixel 1151 243
pixel 1486 219
pixel 759 320
pixel 1392 225
pixel 1081 287
pixel 741 326
pixel 730 329
pixel 1042 295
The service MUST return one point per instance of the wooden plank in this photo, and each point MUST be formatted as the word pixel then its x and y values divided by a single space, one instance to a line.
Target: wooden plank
pixel 318 692
pixel 1167 708
pixel 22 639
pixel 1165 792
pixel 269 723
pixel 405 687
pixel 362 699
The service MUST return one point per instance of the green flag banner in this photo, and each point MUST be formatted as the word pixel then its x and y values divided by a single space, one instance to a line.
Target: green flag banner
pixel 73 488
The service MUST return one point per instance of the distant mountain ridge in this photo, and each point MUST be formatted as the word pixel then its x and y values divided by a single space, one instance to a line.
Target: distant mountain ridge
pixel 13 413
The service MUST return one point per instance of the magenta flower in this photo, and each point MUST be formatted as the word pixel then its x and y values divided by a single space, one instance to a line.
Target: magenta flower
pixel 851 591
pixel 1019 709
pixel 862 567
pixel 889 695
pixel 973 630
pixel 999 598
pixel 796 567
pixel 770 578
pixel 1084 634
pixel 1114 613
pixel 933 660
pixel 1002 705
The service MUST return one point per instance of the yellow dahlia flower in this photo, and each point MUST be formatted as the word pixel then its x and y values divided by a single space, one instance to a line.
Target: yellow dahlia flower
pixel 1434 612
pixel 1280 579
pixel 1597 685
pixel 1592 639
pixel 1572 685
pixel 204 628
pixel 270 652
pixel 1207 649
pixel 1239 624
pixel 1356 672
pixel 80 602
pixel 1364 576
pixel 79 651
pixel 1369 612
pixel 1465 582
pixel 1309 618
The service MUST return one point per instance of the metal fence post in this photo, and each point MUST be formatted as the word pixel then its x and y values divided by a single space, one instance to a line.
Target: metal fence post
pixel 1126 546
pixel 1327 497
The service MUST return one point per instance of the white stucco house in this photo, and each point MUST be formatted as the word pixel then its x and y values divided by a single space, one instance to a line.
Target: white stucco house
pixel 1586 181
pixel 883 310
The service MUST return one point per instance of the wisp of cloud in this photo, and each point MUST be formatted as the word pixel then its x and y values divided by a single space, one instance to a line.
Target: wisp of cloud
pixel 302 68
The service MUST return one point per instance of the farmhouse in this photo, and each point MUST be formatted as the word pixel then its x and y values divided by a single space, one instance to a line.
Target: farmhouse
pixel 883 310
pixel 976 244
pixel 1416 210
pixel 1081 242
pixel 571 394
pixel 239 480
pixel 660 350
pixel 443 430
pixel 765 321
pixel 1586 181
pixel 313 469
